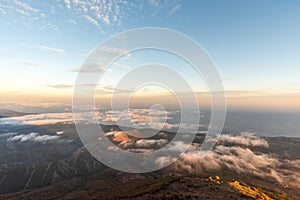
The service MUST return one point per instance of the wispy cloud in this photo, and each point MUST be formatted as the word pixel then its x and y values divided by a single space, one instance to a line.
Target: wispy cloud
pixel 175 9
pixel 154 3
pixel 25 6
pixel 66 86
pixel 114 89
pixel 92 69
pixel 28 13
pixel 112 50
pixel 44 48
pixel 27 62
pixel 39 119
pixel 98 64
pixel 106 15
pixel 61 86
pixel 51 49
pixel 120 65
pixel 93 21
pixel 72 21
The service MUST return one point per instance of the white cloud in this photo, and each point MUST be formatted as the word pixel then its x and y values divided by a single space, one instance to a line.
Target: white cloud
pixel 245 139
pixel 162 161
pixel 105 14
pixel 135 118
pixel 238 159
pixel 66 86
pixel 150 143
pixel 113 50
pixel 179 146
pixel 175 9
pixel 20 11
pixel 144 118
pixel 110 13
pixel 72 21
pixel 68 4
pixel 61 86
pixel 114 89
pixel 39 119
pixel 35 137
pixel 96 68
pixel 93 21
pixel 51 49
pixel 37 107
pixel 154 3
pixel 32 63
pixel 100 64
pixel 138 118
pixel 25 6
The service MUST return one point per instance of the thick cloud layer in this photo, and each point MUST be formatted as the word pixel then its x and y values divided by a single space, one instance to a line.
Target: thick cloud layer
pixel 138 118
pixel 239 157
pixel 236 153
pixel 245 139
pixel 135 118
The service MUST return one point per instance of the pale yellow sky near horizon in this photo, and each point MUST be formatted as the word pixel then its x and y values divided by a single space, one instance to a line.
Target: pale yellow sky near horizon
pixel 241 100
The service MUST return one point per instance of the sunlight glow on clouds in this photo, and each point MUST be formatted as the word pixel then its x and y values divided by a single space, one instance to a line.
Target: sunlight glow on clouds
pixel 138 118
pixel 39 119
pixel 238 159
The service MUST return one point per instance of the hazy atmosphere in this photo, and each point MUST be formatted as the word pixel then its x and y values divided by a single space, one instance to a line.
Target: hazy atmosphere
pixel 149 99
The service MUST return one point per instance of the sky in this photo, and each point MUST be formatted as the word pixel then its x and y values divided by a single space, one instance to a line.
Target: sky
pixel 254 44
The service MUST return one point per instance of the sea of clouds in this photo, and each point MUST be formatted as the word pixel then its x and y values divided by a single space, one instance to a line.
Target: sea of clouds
pixel 233 152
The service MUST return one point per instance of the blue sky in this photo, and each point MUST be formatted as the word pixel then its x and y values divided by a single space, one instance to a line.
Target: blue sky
pixel 255 44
